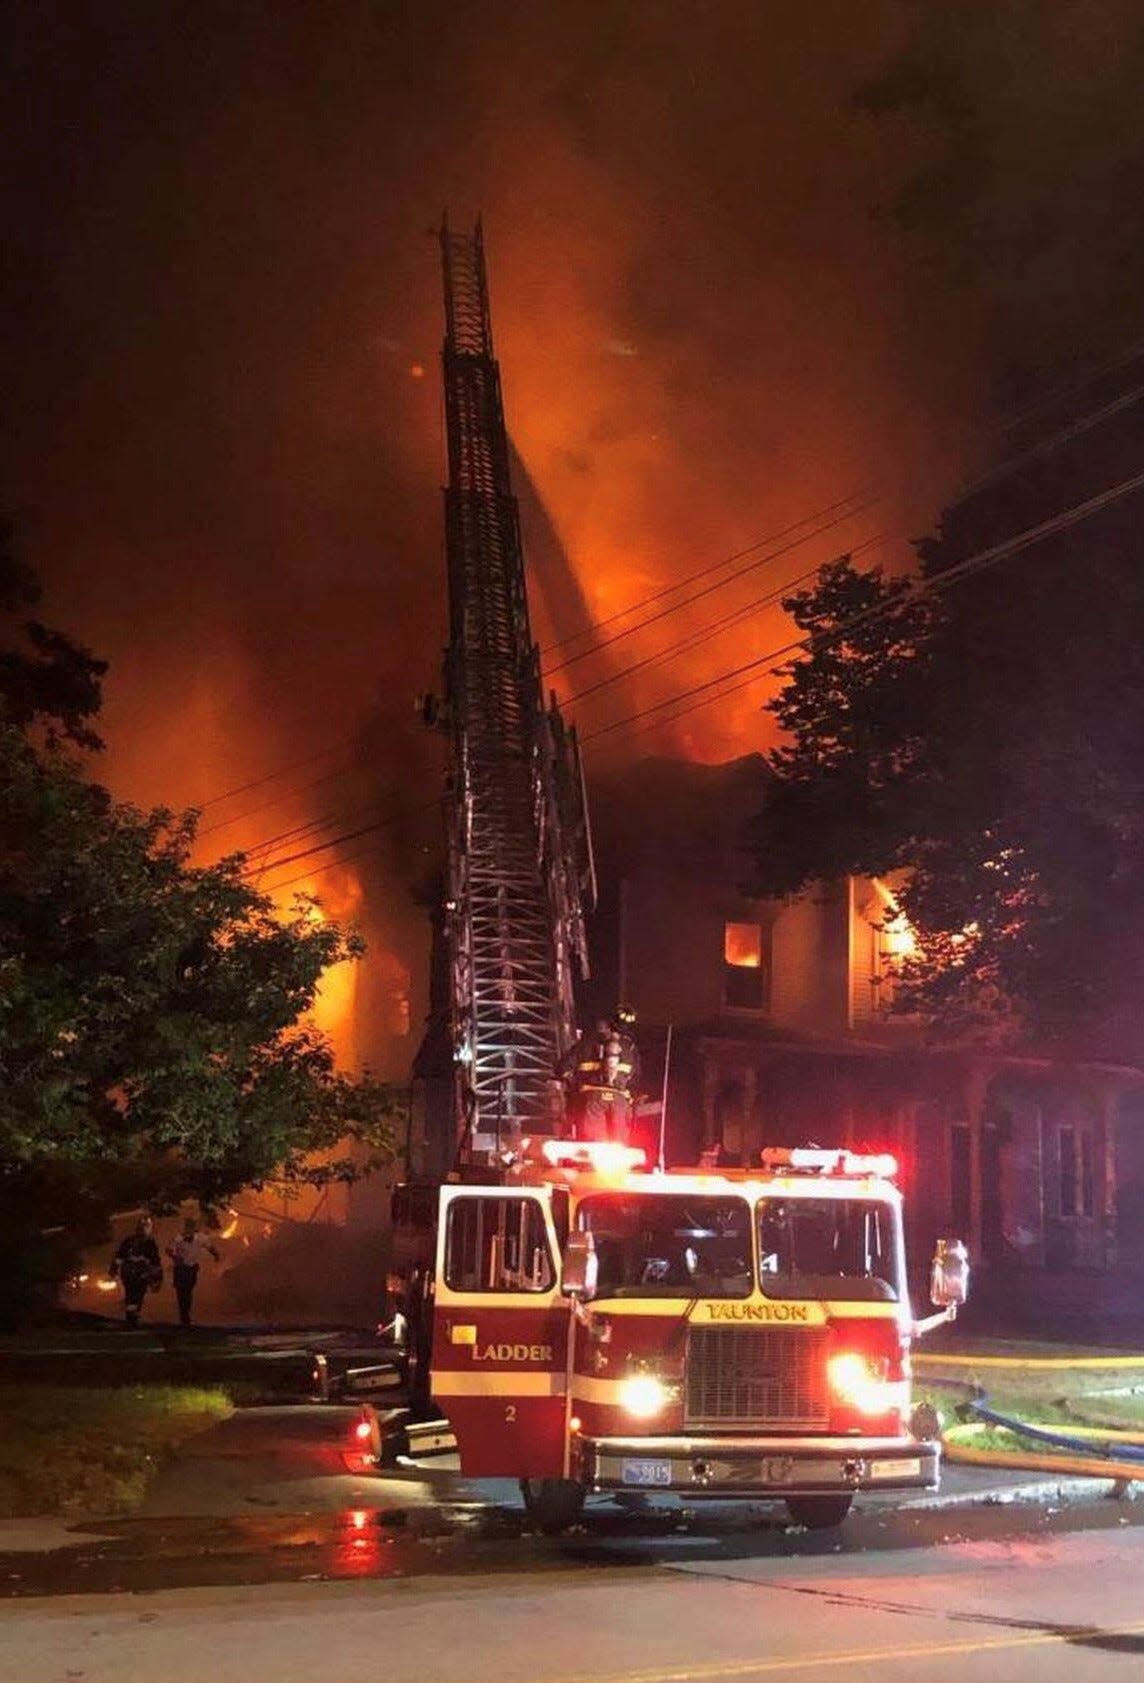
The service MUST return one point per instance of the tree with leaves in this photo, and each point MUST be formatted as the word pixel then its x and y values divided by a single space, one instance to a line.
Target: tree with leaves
pixel 154 1042
pixel 986 740
pixel 983 735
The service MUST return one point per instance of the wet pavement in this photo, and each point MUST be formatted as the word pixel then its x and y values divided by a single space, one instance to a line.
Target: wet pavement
pixel 460 1534
pixel 285 1495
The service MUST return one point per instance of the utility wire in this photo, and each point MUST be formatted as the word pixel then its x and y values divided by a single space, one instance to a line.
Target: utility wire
pixel 330 821
pixel 1000 424
pixel 721 584
pixel 705 633
pixel 257 782
pixel 597 626
pixel 1025 412
pixel 763 665
pixel 320 870
pixel 924 587
pixel 1046 445
pixel 725 623
pixel 264 806
pixel 386 823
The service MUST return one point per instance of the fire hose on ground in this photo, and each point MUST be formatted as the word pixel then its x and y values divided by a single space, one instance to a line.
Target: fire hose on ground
pixel 1119 1451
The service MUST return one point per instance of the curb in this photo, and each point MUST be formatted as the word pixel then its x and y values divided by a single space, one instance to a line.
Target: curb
pixel 1062 1491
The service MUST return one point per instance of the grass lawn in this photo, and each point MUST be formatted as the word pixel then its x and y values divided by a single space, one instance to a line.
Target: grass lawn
pixel 93 1451
pixel 1058 1398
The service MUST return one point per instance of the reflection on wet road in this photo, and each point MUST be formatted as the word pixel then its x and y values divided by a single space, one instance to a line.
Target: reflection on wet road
pixel 467 1537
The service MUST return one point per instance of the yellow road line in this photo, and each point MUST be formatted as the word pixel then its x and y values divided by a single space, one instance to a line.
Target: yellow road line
pixel 868 1656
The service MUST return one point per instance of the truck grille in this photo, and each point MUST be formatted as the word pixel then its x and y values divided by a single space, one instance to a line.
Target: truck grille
pixel 757 1376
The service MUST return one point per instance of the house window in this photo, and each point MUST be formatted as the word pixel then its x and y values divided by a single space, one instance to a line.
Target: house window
pixel 1076 1162
pixel 744 973
pixel 892 942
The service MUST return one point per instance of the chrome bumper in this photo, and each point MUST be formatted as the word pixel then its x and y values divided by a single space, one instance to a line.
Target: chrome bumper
pixel 778 1466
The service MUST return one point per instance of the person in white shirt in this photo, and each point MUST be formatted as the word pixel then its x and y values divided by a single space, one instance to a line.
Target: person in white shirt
pixel 187 1253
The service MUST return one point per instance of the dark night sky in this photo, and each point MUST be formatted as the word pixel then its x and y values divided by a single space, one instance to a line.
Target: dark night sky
pixel 218 282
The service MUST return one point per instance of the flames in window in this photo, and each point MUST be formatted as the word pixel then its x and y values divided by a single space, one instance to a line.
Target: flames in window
pixel 743 945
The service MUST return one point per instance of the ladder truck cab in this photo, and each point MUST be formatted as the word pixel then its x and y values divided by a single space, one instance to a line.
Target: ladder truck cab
pixel 738 1333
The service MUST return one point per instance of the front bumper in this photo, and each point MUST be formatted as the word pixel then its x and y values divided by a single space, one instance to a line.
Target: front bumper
pixel 758 1466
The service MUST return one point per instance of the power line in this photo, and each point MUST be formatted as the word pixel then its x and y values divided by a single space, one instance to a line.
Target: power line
pixel 264 806
pixel 703 572
pixel 1024 412
pixel 320 870
pixel 924 587
pixel 386 823
pixel 634 607
pixel 764 665
pixel 331 820
pixel 257 782
pixel 725 623
pixel 709 589
pixel 998 424
pixel 1045 445
pixel 319 847
pixel 261 865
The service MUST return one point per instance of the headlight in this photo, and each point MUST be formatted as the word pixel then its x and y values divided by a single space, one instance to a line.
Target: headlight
pixel 643 1396
pixel 857 1381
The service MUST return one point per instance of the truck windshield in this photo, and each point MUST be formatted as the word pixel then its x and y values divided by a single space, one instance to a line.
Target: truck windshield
pixel 841 1248
pixel 669 1245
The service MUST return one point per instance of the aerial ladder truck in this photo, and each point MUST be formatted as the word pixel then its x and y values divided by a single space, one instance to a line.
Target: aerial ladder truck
pixel 585 1325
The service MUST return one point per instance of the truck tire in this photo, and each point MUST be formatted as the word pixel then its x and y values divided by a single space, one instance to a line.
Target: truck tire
pixel 553 1504
pixel 818 1513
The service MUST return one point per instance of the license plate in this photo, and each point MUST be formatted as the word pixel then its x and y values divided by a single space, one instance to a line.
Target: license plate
pixel 895 1469
pixel 646 1472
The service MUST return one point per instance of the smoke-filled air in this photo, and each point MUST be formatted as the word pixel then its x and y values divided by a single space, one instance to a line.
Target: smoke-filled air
pixel 223 439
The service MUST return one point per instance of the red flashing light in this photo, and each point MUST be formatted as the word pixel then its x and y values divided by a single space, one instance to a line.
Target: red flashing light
pixel 604 1157
pixel 363 1431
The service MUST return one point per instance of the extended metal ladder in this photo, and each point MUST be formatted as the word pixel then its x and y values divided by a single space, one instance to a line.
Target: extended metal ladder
pixel 520 866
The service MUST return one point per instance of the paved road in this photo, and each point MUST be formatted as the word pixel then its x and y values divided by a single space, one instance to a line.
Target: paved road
pixel 278 1495
pixel 1060 1608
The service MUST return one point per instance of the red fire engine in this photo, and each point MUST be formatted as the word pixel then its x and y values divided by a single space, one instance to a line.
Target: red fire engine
pixel 586 1326
pixel 714 1333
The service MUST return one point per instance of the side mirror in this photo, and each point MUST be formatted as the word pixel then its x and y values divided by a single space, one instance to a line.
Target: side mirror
pixel 579 1267
pixel 949 1275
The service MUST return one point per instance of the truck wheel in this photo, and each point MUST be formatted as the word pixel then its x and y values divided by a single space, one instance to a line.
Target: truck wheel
pixel 818 1513
pixel 554 1504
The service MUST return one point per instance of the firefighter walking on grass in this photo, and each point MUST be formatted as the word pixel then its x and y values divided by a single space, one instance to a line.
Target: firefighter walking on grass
pixel 601 1074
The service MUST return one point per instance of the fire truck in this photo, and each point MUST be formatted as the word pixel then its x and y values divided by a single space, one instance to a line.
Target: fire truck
pixel 593 1327
pixel 586 1325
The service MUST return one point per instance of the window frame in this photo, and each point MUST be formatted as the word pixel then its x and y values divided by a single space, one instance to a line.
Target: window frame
pixel 647 1291
pixel 761 970
pixel 505 1286
pixel 1081 1177
pixel 798 1287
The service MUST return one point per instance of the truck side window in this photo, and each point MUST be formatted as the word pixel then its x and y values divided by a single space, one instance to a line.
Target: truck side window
pixel 497 1244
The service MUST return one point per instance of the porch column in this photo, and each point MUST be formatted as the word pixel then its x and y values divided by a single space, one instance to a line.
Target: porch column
pixel 976 1086
pixel 710 1081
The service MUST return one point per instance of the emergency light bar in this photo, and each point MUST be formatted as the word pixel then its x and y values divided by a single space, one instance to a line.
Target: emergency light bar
pixel 802 1160
pixel 606 1157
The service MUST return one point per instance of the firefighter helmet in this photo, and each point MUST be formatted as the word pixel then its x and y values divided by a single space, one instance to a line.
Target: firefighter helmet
pixel 625 1016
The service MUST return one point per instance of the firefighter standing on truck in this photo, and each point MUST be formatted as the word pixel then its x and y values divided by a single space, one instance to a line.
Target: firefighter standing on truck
pixel 601 1072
